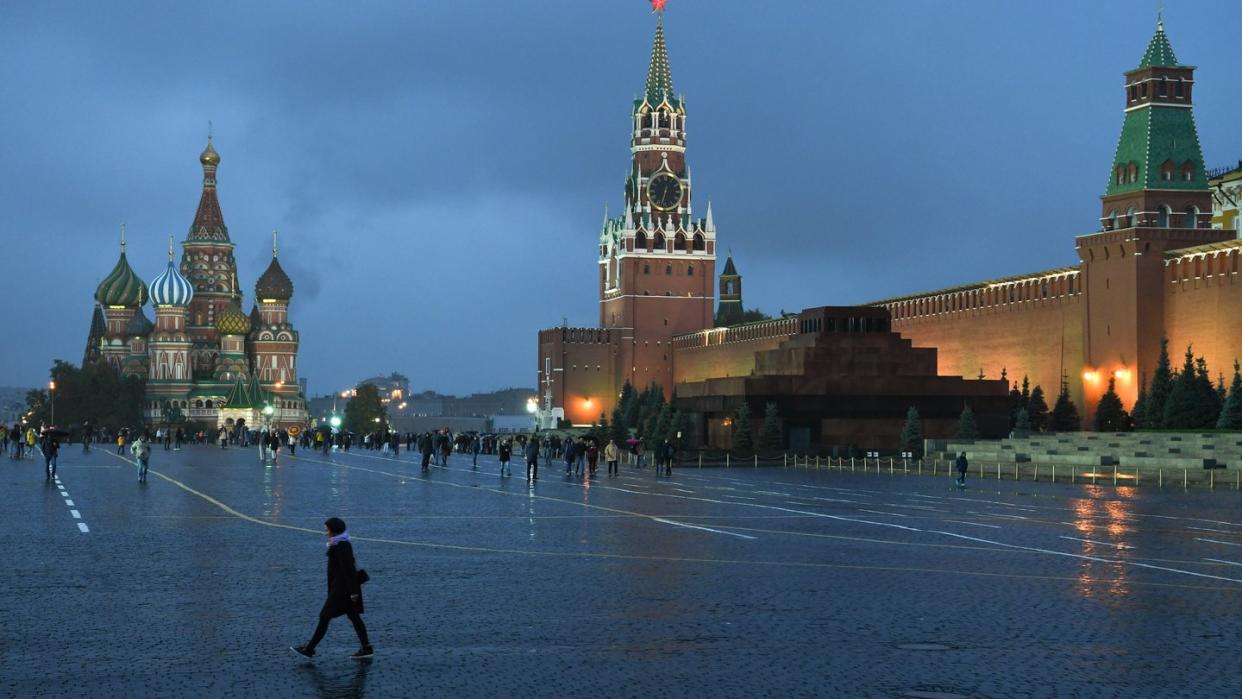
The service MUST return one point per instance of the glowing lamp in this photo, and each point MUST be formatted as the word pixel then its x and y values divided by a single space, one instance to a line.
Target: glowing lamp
pixel 1122 374
pixel 1091 376
pixel 531 406
pixel 335 422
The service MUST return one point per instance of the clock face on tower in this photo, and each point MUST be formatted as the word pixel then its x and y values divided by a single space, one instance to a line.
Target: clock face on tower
pixel 664 191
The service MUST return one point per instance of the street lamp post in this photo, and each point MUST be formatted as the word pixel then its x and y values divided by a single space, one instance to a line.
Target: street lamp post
pixel 51 389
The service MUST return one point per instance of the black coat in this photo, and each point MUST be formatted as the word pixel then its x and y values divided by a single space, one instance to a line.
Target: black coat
pixel 342 581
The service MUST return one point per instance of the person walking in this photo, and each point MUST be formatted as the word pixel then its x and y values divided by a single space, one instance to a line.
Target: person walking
pixel 425 448
pixel 612 454
pixel 961 465
pixel 142 453
pixel 86 438
pixel 51 449
pixel 569 457
pixel 532 459
pixel 592 454
pixel 120 443
pixel 476 446
pixel 669 452
pixel 505 451
pixel 344 592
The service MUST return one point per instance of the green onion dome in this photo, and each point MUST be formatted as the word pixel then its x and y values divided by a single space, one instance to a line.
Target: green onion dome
pixel 233 321
pixel 139 325
pixel 121 287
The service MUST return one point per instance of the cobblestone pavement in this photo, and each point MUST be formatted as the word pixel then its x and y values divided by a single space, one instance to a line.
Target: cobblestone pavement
pixel 722 583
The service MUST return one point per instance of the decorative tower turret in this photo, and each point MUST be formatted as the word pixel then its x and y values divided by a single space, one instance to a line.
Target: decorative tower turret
pixel 275 342
pixel 169 379
pixel 137 331
pixel 656 262
pixel 208 263
pixel 1157 200
pixel 729 310
pixel 121 294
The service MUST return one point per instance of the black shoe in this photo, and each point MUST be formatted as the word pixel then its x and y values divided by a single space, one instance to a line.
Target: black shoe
pixel 303 651
pixel 364 653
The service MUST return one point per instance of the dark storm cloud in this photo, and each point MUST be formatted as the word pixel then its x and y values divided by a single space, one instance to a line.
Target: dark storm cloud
pixel 438 170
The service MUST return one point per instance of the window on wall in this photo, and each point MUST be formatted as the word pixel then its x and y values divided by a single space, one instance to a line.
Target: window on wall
pixel 680 243
pixel 646 269
pixel 699 242
pixel 690 270
pixel 1133 92
pixel 1162 217
pixel 1179 88
pixel 1188 171
pixel 729 287
pixel 1132 217
pixel 1121 174
pixel 1190 217
pixel 1164 88
pixel 1132 173
pixel 668 270
pixel 1112 220
pixel 659 242
pixel 1166 171
pixel 640 241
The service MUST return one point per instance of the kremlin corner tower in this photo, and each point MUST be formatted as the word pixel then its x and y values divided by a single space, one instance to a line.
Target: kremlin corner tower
pixel 206 363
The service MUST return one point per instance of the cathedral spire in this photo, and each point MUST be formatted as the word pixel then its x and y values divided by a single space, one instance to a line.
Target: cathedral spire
pixel 208 221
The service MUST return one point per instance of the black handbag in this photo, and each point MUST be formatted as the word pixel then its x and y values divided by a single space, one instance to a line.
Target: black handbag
pixel 363 576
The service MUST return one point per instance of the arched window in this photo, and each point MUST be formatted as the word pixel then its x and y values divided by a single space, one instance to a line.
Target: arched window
pixel 1188 171
pixel 1131 217
pixel 1166 171
pixel 729 287
pixel 209 403
pixel 1132 173
pixel 1112 220
pixel 700 243
pixel 659 242
pixel 646 269
pixel 689 270
pixel 1179 88
pixel 1121 174
pixel 1162 217
pixel 1190 217
pixel 679 243
pixel 198 404
pixel 668 270
pixel 640 241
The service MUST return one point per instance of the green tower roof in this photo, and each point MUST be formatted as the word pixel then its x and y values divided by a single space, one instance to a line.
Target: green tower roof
pixel 659 75
pixel 1159 50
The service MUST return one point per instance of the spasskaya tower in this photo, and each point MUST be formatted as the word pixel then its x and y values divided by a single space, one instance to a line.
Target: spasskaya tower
pixel 656 261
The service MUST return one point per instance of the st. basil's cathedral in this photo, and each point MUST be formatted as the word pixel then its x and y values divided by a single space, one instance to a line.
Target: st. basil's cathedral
pixel 206 362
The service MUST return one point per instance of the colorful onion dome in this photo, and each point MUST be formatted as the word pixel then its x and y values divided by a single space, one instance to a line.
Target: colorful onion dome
pixel 232 321
pixel 170 288
pixel 121 287
pixel 139 325
pixel 274 284
pixel 209 156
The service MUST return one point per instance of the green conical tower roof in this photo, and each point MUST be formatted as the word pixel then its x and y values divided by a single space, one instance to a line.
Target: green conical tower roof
pixel 122 287
pixel 659 75
pixel 1159 51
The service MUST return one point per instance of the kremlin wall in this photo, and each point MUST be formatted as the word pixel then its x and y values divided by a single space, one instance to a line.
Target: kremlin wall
pixel 844 377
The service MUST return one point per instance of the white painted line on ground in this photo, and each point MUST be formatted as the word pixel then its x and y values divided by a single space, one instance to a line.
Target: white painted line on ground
pixel 877 512
pixel 852 502
pixel 1206 529
pixel 69 503
pixel 636 492
pixel 1084 557
pixel 76 514
pixel 974 524
pixel 1217 560
pixel 997 514
pixel 739 497
pixel 930 497
pixel 1101 543
pixel 683 490
pixel 706 529
pixel 1216 541
pixel 83 528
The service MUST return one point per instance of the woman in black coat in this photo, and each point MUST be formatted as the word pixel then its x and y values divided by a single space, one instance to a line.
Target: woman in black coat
pixel 344 592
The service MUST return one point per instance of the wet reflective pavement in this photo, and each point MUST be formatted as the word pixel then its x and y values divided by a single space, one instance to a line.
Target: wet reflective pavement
pixel 739 582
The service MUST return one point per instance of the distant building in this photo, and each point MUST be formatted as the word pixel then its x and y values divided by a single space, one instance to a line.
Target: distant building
pixel 1226 186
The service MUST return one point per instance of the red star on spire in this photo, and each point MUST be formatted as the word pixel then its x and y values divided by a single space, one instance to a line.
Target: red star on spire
pixel 658 5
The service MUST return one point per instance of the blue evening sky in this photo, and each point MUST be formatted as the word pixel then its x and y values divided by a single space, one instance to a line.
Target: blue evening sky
pixel 438 170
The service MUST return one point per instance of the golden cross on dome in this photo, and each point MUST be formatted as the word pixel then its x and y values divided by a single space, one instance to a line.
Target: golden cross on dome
pixel 658 5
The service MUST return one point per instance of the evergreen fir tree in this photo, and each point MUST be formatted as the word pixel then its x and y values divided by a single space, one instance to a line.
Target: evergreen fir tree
pixel 1160 390
pixel 663 424
pixel 1209 403
pixel 629 406
pixel 966 426
pixel 1037 410
pixel 1022 425
pixel 772 438
pixel 620 431
pixel 743 441
pixel 1065 414
pixel 1110 416
pixel 1231 414
pixel 1015 404
pixel 1184 409
pixel 912 433
pixel 1026 390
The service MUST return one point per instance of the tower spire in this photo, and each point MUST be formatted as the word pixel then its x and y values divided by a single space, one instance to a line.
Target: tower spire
pixel 275 250
pixel 659 75
pixel 170 248
pixel 122 238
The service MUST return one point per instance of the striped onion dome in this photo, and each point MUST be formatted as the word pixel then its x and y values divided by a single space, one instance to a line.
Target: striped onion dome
pixel 233 321
pixel 170 288
pixel 121 287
